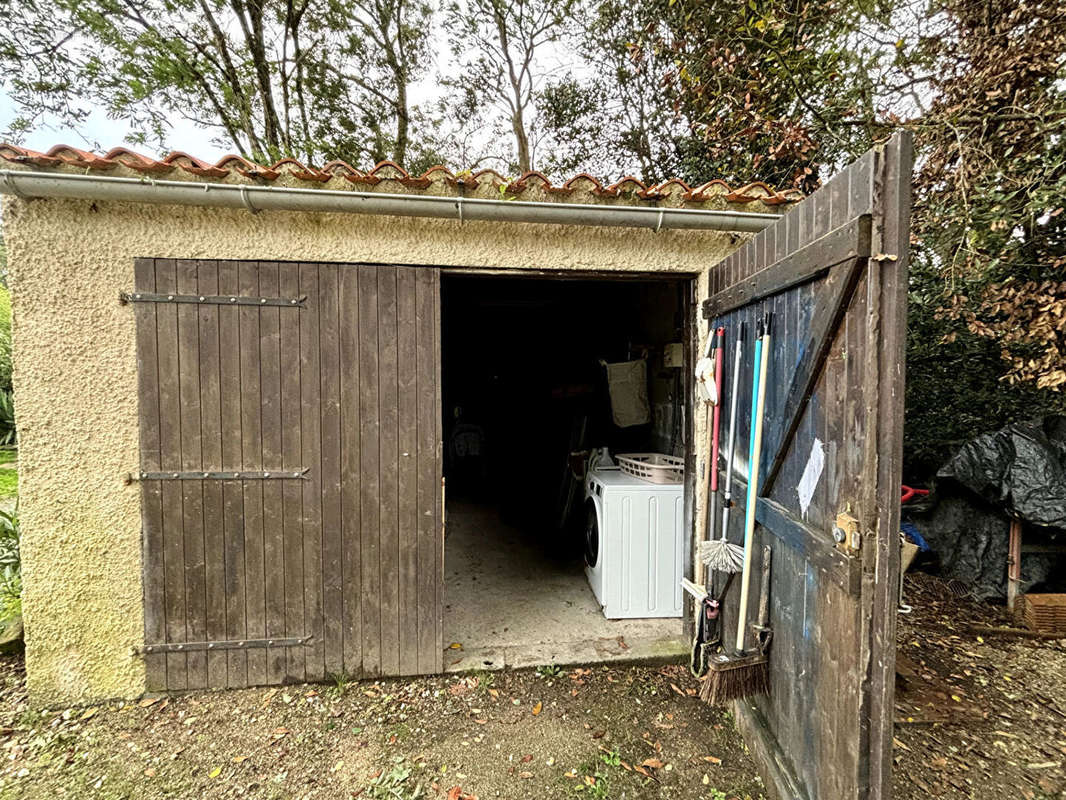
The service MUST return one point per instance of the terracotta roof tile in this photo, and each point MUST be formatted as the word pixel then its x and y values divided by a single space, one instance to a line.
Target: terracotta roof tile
pixel 195 165
pixel 247 168
pixel 673 191
pixel 131 160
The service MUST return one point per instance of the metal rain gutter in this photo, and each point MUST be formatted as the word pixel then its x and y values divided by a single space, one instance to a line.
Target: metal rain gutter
pixel 29 184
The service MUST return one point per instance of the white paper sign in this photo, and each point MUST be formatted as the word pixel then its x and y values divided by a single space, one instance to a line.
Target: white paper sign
pixel 811 473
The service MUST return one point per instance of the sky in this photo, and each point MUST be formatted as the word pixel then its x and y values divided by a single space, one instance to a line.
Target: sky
pixel 100 134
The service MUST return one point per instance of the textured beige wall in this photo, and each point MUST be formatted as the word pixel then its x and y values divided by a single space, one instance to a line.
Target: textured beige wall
pixel 76 383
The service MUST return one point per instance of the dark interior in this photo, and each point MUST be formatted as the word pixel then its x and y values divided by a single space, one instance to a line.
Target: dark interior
pixel 524 389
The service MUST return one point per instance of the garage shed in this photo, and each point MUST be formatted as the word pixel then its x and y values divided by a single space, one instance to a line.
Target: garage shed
pixel 279 423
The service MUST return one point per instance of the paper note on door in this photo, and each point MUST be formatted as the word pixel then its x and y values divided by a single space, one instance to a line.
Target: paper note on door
pixel 811 473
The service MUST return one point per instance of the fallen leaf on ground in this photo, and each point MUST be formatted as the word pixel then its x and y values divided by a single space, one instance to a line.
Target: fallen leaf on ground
pixel 215 772
pixel 654 763
pixel 712 759
pixel 537 708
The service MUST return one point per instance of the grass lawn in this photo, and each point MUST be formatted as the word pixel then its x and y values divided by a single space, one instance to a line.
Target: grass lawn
pixel 9 482
pixel 603 732
pixel 8 455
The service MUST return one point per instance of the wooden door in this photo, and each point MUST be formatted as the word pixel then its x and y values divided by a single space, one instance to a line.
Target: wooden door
pixel 833 272
pixel 290 471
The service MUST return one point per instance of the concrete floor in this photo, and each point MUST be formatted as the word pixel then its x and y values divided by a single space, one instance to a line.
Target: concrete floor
pixel 508 605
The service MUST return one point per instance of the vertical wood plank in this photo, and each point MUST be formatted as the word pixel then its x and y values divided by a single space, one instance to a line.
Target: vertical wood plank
pixel 273 501
pixel 170 457
pixel 311 443
pixel 895 238
pixel 387 468
pixel 330 467
pixel 351 509
pixel 438 447
pixel 192 492
pixel 151 492
pixel 211 448
pixel 230 346
pixel 252 458
pixel 427 481
pixel 292 459
pixel 407 479
pixel 370 479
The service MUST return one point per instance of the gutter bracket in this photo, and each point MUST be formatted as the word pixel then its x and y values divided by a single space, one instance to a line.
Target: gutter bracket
pixel 247 201
pixel 9 182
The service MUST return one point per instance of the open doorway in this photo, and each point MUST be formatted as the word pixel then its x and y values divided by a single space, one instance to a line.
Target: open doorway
pixel 525 393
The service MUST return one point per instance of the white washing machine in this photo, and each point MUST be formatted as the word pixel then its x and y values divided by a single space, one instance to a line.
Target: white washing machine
pixel 634 535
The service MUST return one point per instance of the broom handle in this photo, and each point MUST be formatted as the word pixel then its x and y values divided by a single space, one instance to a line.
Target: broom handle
pixel 762 354
pixel 727 494
pixel 719 344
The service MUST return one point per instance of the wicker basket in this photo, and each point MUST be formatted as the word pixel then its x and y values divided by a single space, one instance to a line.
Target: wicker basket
pixel 652 467
pixel 1045 613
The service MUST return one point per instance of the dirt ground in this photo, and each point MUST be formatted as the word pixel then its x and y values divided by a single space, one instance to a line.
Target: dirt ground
pixel 618 732
pixel 977 714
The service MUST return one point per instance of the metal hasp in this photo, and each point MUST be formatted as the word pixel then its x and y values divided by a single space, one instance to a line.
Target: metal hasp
pixel 234 644
pixel 211 299
pixel 272 475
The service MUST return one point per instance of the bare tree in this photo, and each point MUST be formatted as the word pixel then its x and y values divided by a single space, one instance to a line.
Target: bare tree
pixel 499 44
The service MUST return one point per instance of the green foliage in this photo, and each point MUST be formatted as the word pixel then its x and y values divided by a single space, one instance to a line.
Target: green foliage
pixel 9 483
pixel 315 80
pixel 498 47
pixel 10 565
pixel 8 434
pixel 395 784
pixel 549 671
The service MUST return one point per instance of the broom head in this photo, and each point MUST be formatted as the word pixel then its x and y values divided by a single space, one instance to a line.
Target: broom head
pixel 734 677
pixel 721 555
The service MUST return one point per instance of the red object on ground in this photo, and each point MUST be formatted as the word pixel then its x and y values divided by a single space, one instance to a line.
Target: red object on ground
pixel 908 493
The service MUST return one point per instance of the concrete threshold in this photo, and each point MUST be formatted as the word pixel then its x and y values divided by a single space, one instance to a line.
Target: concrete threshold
pixel 509 606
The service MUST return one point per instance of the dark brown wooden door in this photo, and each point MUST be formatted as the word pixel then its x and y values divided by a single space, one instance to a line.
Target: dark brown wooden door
pixel 833 271
pixel 290 471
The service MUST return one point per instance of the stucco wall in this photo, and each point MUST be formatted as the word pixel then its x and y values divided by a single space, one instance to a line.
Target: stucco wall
pixel 76 383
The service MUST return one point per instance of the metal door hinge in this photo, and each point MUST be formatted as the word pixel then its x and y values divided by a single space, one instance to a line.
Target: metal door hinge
pixel 253 475
pixel 228 644
pixel 210 299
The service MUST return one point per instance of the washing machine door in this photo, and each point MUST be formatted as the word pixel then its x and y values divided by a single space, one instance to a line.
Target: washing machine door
pixel 592 533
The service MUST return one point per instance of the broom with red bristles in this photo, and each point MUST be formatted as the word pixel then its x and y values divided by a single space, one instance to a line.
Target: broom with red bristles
pixel 744 673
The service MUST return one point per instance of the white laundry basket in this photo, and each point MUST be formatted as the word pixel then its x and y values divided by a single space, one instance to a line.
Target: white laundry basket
pixel 652 467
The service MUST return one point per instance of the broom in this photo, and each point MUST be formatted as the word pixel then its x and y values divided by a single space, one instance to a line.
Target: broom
pixel 731 677
pixel 718 553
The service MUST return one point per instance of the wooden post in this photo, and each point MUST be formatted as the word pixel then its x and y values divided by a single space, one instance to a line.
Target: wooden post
pixel 1014 563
